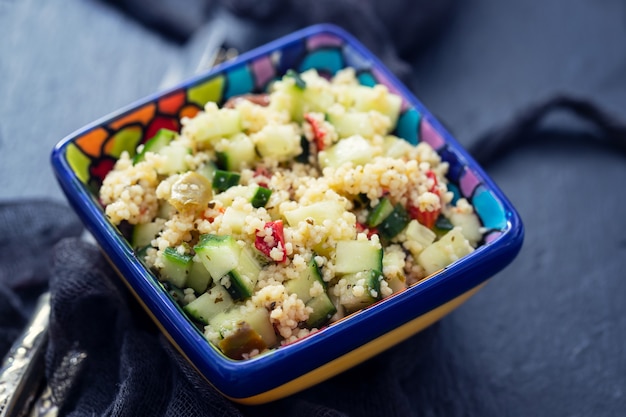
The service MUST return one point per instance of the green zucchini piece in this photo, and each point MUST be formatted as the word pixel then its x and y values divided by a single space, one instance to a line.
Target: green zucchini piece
pixel 177 293
pixel 161 139
pixel 198 278
pixel 353 149
pixel 395 222
pixel 215 125
pixel 318 212
pixel 207 170
pixel 174 156
pixel 362 290
pixel 175 267
pixel 244 276
pixel 238 152
pixel 450 248
pixel 420 235
pixel 351 123
pixel 243 331
pixel 261 197
pixel 379 213
pixel 323 310
pixel 223 180
pixel 357 255
pixel 279 142
pixel 209 304
pixel 219 254
pixel 301 285
pixel 144 233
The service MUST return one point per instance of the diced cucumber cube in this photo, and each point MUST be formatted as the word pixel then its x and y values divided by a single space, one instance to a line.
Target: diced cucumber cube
pixel 420 237
pixel 317 96
pixel 395 222
pixel 236 153
pixel 166 210
pixel 162 138
pixel 362 289
pixel 378 99
pixel 223 180
pixel 198 278
pixel 353 123
pixel 244 276
pixel 394 147
pixel 450 248
pixel 287 97
pixel 301 285
pixel 215 125
pixel 235 219
pixel 469 224
pixel 353 149
pixel 357 255
pixel 318 212
pixel 243 331
pixel 380 212
pixel 280 142
pixel 144 233
pixel 323 310
pixel 209 304
pixel 219 254
pixel 261 197
pixel 174 159
pixel 175 267
pixel 207 170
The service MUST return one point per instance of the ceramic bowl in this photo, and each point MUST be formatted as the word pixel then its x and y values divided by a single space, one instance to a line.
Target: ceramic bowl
pixel 82 159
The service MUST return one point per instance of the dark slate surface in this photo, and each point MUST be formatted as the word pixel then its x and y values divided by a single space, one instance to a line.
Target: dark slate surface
pixel 547 336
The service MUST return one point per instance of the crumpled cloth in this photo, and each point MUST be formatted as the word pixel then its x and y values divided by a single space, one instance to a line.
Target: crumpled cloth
pixel 105 357
pixel 394 30
pixel 28 231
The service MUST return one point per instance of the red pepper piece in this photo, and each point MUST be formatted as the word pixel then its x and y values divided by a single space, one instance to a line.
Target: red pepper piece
pixel 261 171
pixel 360 228
pixel 434 188
pixel 319 133
pixel 277 241
pixel 425 217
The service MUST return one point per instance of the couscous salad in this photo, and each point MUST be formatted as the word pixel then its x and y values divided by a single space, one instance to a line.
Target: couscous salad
pixel 276 214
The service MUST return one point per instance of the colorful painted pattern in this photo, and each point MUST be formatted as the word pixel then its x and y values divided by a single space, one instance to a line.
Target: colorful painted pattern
pixel 93 153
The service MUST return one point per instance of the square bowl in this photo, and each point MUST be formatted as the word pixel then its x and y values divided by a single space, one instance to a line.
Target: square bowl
pixel 82 160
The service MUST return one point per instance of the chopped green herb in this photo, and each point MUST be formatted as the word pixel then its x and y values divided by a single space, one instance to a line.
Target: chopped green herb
pixel 300 83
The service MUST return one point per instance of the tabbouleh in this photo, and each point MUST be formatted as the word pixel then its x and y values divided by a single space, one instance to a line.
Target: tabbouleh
pixel 277 214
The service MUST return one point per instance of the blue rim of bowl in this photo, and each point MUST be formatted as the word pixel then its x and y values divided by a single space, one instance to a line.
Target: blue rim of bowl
pixel 241 379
